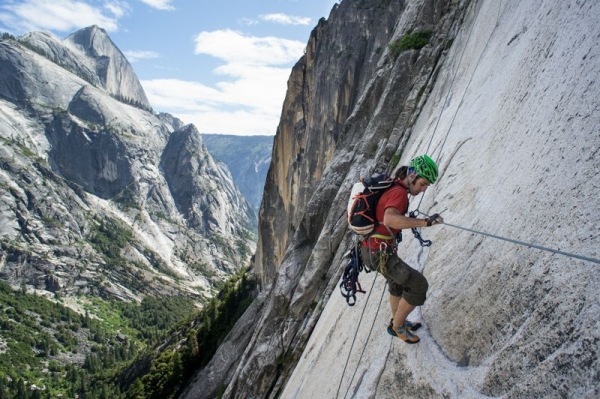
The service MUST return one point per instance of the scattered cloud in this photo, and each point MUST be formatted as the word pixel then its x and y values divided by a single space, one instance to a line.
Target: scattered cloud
pixel 118 8
pixel 59 15
pixel 251 81
pixel 248 98
pixel 232 46
pixel 137 55
pixel 241 122
pixel 159 4
pixel 285 19
pixel 278 18
pixel 250 103
pixel 248 21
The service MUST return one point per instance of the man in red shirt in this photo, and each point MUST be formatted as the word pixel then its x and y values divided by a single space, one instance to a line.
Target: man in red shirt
pixel 407 286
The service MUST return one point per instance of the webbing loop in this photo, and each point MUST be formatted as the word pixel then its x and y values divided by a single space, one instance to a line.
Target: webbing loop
pixel 381 237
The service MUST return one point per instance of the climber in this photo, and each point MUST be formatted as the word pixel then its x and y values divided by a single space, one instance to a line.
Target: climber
pixel 407 286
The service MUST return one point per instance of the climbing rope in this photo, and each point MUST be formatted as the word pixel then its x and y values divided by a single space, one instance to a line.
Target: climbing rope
pixel 518 242
pixel 464 92
pixel 449 91
pixel 468 83
pixel 526 244
pixel 414 230
pixel 356 333
pixel 367 340
pixel 413 214
pixel 522 243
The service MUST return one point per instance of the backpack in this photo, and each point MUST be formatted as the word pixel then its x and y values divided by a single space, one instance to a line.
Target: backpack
pixel 363 201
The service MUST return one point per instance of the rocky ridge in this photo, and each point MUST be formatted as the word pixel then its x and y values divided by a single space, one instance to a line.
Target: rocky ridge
pixel 99 195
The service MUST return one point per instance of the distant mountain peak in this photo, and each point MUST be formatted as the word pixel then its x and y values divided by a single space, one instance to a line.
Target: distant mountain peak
pixel 93 40
pixel 112 67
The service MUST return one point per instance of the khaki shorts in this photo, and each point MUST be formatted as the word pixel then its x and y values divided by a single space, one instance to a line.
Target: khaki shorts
pixel 403 280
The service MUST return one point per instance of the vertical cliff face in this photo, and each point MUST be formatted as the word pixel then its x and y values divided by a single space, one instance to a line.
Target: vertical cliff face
pixel 505 98
pixel 203 191
pixel 323 90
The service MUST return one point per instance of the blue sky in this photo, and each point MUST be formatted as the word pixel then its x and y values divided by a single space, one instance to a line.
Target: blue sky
pixel 221 65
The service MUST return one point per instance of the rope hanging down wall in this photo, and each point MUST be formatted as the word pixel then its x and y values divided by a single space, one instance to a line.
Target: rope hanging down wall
pixel 354 339
pixel 464 92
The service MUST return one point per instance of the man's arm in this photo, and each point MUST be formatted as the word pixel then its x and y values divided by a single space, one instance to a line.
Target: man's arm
pixel 396 220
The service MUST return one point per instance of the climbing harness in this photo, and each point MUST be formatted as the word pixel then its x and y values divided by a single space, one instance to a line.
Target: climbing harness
pixel 350 286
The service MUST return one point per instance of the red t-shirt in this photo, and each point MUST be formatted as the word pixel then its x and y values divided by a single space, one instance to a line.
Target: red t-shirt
pixel 397 197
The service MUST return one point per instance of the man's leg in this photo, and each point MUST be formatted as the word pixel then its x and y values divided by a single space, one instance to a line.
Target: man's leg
pixel 402 311
pixel 394 303
pixel 404 282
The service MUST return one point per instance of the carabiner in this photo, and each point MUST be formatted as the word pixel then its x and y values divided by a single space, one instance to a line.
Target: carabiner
pixel 424 243
pixel 383 247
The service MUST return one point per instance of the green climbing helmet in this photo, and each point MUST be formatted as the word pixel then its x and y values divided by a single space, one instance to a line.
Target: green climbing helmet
pixel 425 167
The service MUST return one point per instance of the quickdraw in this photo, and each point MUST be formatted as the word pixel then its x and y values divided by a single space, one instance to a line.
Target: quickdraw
pixel 424 243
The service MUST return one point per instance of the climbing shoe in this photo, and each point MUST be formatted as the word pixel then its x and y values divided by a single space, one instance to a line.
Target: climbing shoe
pixel 411 326
pixel 405 335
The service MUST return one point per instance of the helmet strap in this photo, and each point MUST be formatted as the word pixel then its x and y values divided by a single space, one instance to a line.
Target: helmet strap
pixel 411 181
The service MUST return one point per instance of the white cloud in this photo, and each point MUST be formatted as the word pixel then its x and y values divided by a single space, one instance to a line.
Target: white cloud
pixel 260 87
pixel 212 110
pixel 136 55
pixel 285 19
pixel 250 104
pixel 249 97
pixel 233 46
pixel 58 15
pixel 248 21
pixel 241 123
pixel 118 8
pixel 173 95
pixel 159 4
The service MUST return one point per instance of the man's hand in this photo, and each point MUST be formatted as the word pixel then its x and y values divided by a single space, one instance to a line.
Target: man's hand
pixel 434 219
